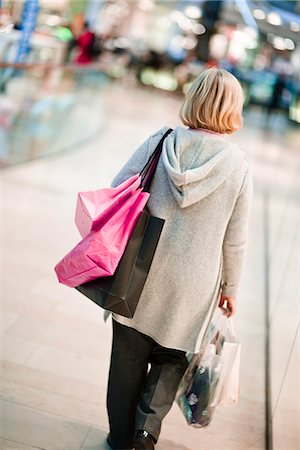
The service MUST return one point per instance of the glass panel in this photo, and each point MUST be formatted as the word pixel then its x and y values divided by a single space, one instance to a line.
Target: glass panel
pixel 284 310
pixel 45 110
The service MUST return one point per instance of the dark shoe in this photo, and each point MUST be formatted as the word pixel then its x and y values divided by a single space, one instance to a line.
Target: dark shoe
pixel 144 441
pixel 108 440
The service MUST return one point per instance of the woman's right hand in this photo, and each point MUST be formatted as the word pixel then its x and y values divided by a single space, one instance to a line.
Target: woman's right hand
pixel 230 307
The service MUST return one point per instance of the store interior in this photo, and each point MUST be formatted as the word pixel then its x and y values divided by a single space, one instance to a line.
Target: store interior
pixel 59 107
pixel 151 44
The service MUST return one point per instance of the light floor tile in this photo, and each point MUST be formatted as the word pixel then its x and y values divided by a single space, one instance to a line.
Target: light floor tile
pixel 33 304
pixel 40 429
pixel 8 319
pixel 10 445
pixel 238 431
pixel 52 382
pixel 61 405
pixel 17 350
pixel 259 445
pixel 68 364
pixel 165 444
pixel 65 333
pixel 96 439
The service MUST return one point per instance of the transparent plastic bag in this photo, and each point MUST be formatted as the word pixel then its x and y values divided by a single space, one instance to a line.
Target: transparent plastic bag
pixel 201 388
pixel 227 391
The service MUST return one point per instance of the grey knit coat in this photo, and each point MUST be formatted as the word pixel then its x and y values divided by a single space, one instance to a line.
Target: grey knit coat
pixel 202 188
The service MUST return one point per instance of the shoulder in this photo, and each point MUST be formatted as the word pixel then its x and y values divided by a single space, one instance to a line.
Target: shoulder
pixel 243 169
pixel 159 133
pixel 155 137
pixel 237 160
pixel 238 154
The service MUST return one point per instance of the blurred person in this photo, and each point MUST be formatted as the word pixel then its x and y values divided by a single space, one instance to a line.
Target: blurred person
pixel 85 42
pixel 202 188
pixel 149 58
pixel 17 26
pixel 276 97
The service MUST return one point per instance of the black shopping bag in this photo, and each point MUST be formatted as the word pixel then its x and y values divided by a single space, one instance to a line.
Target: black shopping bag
pixel 120 292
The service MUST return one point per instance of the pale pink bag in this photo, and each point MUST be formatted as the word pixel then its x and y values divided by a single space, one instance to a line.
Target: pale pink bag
pixel 111 215
pixel 94 207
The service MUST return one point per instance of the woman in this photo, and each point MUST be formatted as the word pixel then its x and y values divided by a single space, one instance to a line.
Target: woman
pixel 85 43
pixel 202 188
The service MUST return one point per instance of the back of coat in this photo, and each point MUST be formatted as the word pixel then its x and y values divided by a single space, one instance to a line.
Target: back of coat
pixel 202 188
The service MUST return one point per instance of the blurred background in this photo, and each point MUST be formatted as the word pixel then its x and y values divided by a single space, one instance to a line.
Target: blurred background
pixel 54 52
pixel 74 73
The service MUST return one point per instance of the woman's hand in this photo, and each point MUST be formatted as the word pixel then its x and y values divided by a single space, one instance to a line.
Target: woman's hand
pixel 230 307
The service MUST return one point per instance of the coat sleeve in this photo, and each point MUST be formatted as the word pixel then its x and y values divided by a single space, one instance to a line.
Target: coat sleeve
pixel 234 245
pixel 139 158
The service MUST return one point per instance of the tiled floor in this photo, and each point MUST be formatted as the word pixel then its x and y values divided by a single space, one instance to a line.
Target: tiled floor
pixel 56 346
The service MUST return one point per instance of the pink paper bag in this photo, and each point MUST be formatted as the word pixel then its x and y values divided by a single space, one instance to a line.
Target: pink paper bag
pixel 99 252
pixel 95 207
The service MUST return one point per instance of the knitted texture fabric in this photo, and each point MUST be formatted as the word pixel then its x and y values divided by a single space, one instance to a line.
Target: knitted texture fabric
pixel 202 188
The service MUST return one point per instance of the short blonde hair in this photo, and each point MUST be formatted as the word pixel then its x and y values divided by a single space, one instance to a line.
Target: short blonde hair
pixel 214 102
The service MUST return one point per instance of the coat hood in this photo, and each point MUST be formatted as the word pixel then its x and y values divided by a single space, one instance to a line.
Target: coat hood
pixel 198 163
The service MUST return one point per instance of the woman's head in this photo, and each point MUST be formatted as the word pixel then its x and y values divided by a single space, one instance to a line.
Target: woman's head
pixel 214 102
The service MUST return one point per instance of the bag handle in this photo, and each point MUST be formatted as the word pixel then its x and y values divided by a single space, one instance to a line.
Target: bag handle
pixel 148 171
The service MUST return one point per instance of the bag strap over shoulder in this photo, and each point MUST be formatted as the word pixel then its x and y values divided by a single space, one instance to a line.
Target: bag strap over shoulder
pixel 148 171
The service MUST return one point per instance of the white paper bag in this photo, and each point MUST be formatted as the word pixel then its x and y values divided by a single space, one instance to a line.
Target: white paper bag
pixel 227 392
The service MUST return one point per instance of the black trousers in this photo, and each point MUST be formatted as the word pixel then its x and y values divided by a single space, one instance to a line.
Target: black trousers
pixel 143 381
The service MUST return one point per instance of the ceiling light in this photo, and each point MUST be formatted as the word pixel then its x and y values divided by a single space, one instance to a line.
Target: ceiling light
pixel 289 44
pixel 279 43
pixel 193 12
pixel 294 26
pixel 259 14
pixel 9 28
pixel 274 19
pixel 198 28
pixel 185 24
pixel 53 20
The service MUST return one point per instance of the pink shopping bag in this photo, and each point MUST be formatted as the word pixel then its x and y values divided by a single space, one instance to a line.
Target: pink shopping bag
pixel 95 207
pixel 99 252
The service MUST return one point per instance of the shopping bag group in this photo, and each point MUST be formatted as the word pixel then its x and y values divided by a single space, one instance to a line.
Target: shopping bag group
pixel 119 238
pixel 105 220
pixel 212 377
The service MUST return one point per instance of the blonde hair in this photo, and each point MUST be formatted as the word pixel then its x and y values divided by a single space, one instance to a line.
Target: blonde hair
pixel 214 102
